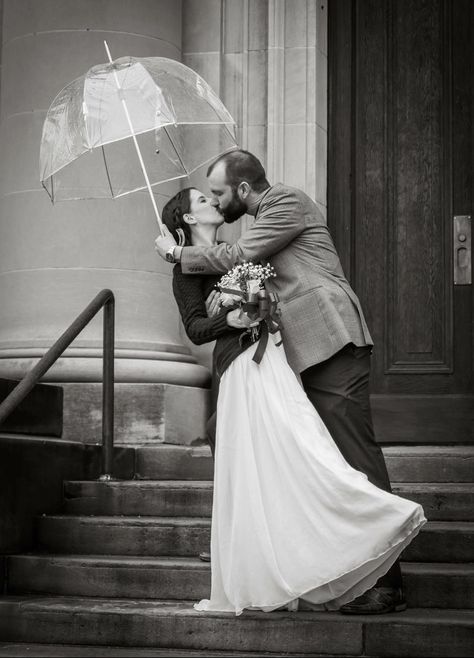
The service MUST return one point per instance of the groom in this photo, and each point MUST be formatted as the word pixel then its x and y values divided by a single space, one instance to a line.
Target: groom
pixel 325 335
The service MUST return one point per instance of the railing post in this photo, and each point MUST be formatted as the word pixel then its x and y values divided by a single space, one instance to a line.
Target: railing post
pixel 106 299
pixel 108 389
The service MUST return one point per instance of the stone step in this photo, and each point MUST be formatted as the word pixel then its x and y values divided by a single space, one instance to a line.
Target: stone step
pixel 415 632
pixel 115 535
pixel 438 585
pixel 442 541
pixel 143 497
pixel 438 541
pixel 172 462
pixel 22 649
pixel 110 576
pixel 428 463
pixel 427 585
pixel 441 501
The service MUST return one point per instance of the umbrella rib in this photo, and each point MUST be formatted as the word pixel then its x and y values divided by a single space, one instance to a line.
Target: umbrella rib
pixel 134 137
pixel 107 172
pixel 175 150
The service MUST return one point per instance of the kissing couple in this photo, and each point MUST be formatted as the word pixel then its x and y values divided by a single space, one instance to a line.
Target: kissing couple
pixel 302 507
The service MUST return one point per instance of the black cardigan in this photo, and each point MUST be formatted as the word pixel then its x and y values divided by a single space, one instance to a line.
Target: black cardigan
pixel 191 292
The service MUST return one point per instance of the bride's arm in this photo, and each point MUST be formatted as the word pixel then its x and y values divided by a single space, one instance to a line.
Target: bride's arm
pixel 192 307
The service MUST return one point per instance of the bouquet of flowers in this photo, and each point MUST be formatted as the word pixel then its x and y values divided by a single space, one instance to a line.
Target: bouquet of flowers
pixel 242 281
pixel 244 286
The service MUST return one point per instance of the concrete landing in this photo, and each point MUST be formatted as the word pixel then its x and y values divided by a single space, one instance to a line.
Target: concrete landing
pixel 416 632
pixel 20 650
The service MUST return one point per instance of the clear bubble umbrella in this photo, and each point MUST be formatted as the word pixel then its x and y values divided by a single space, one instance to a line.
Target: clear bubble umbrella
pixel 129 125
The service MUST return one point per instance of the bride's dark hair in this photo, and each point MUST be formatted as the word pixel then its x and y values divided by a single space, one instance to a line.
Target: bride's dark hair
pixel 172 215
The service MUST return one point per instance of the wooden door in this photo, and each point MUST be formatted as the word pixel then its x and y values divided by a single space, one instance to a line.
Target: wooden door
pixel 400 168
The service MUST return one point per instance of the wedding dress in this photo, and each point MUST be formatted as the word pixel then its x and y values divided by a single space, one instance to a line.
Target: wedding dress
pixel 291 519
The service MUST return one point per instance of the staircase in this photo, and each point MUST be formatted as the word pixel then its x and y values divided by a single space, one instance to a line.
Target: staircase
pixel 118 567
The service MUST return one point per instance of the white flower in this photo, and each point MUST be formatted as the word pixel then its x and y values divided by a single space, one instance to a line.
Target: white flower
pixel 241 275
pixel 253 286
pixel 228 299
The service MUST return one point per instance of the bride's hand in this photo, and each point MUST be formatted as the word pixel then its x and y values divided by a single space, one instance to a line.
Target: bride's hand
pixel 213 303
pixel 164 242
pixel 239 320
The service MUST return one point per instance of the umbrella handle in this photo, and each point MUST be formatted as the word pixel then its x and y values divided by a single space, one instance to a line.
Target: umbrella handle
pixel 137 148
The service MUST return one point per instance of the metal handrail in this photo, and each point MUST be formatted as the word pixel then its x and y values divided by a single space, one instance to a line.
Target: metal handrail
pixel 105 299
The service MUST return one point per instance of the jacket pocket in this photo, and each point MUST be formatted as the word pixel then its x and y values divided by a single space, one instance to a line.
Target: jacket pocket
pixel 302 293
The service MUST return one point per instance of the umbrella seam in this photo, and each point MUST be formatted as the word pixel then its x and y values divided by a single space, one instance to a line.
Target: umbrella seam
pixel 113 141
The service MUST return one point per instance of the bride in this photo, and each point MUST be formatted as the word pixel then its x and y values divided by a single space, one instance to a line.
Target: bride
pixel 291 520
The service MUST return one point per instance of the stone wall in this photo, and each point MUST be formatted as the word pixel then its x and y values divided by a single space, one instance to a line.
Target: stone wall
pixel 267 59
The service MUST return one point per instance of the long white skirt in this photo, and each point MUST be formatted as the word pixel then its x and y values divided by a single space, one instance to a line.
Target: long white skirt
pixel 290 518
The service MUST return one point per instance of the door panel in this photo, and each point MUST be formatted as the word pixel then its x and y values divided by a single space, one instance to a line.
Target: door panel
pixel 400 92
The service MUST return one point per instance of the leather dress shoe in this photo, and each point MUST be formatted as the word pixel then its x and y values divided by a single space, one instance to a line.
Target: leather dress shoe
pixel 376 601
pixel 205 556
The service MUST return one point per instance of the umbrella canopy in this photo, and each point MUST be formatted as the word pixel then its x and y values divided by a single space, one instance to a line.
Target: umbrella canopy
pixel 89 146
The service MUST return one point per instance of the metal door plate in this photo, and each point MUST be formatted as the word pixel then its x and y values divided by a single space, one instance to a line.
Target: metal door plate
pixel 462 250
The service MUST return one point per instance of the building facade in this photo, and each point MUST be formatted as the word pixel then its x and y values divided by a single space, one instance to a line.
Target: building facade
pixel 368 100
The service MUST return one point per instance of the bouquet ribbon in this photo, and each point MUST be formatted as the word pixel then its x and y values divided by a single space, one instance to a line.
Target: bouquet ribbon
pixel 262 306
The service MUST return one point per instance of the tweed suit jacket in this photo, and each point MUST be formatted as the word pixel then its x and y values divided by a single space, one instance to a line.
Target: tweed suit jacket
pixel 320 313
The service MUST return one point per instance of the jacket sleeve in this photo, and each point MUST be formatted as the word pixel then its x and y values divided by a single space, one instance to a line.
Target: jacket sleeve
pixel 191 304
pixel 280 222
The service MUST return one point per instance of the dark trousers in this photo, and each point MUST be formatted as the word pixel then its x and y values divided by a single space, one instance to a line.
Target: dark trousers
pixel 339 390
pixel 211 423
pixel 211 433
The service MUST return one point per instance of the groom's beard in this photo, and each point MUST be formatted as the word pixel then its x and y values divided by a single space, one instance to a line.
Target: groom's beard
pixel 234 210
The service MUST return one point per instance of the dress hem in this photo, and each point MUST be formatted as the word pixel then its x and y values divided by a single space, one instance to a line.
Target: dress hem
pixel 398 546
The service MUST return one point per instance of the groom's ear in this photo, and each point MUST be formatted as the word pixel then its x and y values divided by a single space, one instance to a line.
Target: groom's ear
pixel 244 189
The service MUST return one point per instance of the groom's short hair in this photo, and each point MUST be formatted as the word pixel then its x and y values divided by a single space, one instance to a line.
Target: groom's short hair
pixel 241 166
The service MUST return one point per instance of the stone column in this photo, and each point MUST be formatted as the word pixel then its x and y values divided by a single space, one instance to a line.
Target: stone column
pixel 297 95
pixel 55 259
